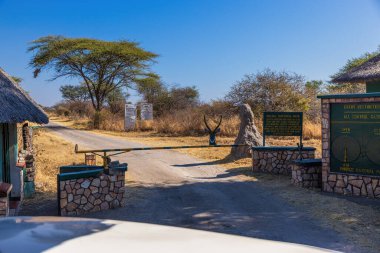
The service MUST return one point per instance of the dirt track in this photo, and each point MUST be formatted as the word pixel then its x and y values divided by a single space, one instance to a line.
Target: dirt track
pixel 171 188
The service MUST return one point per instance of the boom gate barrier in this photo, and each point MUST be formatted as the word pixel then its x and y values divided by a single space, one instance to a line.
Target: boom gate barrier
pixel 105 154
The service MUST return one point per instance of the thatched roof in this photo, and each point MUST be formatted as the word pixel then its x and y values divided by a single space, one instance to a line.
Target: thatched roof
pixel 368 71
pixel 16 105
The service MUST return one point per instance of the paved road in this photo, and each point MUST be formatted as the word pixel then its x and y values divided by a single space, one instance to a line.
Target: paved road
pixel 172 188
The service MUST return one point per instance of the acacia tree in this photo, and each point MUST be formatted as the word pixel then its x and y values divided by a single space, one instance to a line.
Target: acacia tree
pixel 103 66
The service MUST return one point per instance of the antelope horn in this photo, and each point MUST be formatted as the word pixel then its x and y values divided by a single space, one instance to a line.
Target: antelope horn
pixel 220 122
pixel 204 118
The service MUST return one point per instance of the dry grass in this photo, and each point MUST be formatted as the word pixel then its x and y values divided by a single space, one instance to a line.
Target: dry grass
pixel 51 153
pixel 312 130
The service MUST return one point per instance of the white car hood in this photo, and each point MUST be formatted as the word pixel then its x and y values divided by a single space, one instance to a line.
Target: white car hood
pixel 56 234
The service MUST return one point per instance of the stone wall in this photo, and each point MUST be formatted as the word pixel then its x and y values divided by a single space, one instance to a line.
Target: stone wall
pixel 344 183
pixel 91 194
pixel 277 160
pixel 307 173
pixel 5 189
pixel 26 159
pixel 4 206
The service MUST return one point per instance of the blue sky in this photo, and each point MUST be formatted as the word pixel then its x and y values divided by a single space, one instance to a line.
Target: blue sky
pixel 210 44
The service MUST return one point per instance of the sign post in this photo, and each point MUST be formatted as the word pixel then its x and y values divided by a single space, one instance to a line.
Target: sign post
pixel 146 112
pixel 282 124
pixel 130 117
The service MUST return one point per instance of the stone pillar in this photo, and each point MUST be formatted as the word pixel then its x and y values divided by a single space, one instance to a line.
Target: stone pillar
pixel 307 173
pixel 91 191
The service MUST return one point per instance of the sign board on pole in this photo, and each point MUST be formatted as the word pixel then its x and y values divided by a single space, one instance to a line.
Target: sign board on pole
pixel 282 124
pixel 130 117
pixel 146 112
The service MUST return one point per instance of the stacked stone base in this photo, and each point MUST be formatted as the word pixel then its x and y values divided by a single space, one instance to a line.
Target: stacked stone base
pixel 352 185
pixel 307 173
pixel 278 160
pixel 92 194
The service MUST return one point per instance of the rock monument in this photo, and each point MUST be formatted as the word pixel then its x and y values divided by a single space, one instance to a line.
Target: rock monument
pixel 248 133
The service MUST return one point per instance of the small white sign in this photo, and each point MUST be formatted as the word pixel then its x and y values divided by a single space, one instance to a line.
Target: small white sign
pixel 146 112
pixel 130 117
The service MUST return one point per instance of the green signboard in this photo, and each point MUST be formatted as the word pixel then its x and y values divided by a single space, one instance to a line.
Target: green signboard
pixel 355 138
pixel 282 124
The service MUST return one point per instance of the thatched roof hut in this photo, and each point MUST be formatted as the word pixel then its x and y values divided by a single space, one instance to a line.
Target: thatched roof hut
pixel 369 71
pixel 16 105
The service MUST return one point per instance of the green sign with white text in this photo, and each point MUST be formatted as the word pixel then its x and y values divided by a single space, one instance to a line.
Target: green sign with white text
pixel 355 138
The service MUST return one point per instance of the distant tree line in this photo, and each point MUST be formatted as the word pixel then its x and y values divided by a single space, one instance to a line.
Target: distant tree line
pixel 107 70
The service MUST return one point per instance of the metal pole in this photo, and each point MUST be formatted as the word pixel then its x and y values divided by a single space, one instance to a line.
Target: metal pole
pixel 155 148
pixel 105 163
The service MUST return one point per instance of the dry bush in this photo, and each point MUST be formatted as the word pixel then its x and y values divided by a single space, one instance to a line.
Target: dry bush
pixel 145 125
pixel 312 130
pixel 189 122
pixel 110 122
pixel 183 122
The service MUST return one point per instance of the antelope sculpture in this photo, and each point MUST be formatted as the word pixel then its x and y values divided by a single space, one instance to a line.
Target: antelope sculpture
pixel 212 133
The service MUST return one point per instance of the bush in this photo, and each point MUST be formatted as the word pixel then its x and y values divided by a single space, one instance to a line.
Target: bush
pixel 190 122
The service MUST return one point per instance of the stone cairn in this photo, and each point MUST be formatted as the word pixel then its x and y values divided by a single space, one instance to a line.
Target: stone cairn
pixel 248 134
pixel 84 195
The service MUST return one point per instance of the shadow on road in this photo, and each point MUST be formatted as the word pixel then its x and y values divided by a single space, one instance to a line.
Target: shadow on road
pixel 227 159
pixel 239 208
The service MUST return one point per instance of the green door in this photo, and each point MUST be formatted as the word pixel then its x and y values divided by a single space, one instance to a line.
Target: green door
pixel 4 153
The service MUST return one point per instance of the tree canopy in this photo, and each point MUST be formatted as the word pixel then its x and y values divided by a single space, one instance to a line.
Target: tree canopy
pixel 74 93
pixel 103 66
pixel 166 99
pixel 270 91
